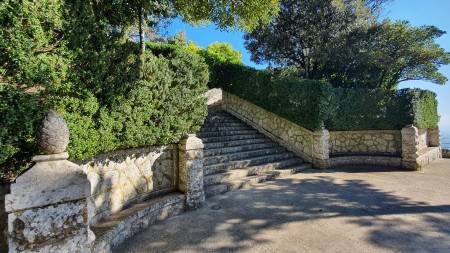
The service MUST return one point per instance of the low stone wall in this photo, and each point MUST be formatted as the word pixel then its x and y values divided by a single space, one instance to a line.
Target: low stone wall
pixel 423 138
pixel 122 177
pixel 293 137
pixel 370 142
pixel 446 153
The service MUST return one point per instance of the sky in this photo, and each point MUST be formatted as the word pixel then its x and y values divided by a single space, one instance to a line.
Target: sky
pixel 417 12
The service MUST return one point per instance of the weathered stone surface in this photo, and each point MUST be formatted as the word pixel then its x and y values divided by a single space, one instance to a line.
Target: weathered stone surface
pixel 54 228
pixel 121 177
pixel 293 137
pixel 124 224
pixel 434 138
pixel 47 207
pixel 47 183
pixel 415 150
pixel 191 171
pixel 370 142
pixel 53 134
pixel 214 97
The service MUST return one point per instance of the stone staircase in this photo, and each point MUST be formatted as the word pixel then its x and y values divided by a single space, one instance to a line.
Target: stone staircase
pixel 236 155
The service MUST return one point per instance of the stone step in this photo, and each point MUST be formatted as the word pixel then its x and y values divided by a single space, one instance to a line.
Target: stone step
pixel 232 185
pixel 269 161
pixel 235 184
pixel 226 133
pixel 118 227
pixel 239 124
pixel 236 143
pixel 237 174
pixel 232 138
pixel 219 119
pixel 225 128
pixel 242 155
pixel 242 148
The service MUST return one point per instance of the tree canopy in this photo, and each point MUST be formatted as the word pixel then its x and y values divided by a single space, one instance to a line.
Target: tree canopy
pixel 344 43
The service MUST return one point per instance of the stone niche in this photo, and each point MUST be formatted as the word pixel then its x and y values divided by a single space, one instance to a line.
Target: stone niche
pixel 123 177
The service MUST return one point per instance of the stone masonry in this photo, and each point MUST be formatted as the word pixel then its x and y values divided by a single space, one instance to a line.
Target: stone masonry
pixel 121 177
pixel 191 171
pixel 374 142
pixel 417 149
pixel 293 137
pixel 47 208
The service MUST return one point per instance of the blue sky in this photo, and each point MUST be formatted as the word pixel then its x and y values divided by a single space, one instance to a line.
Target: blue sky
pixel 418 12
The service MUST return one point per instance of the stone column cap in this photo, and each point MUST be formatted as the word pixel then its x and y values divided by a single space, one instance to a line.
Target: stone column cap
pixel 191 142
pixel 48 183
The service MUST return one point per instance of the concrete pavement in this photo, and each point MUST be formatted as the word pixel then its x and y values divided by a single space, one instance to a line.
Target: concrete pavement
pixel 352 210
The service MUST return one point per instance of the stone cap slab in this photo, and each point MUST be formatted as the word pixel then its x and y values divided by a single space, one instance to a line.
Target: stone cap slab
pixel 48 183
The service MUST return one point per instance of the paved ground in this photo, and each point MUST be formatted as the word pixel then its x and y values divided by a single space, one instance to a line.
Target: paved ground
pixel 346 211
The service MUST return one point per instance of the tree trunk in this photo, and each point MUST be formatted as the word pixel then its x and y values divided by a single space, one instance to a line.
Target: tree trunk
pixel 141 31
pixel 141 42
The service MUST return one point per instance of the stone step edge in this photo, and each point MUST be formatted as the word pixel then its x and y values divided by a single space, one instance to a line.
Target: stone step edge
pixel 276 151
pixel 269 145
pixel 239 174
pixel 227 133
pixel 253 180
pixel 118 227
pixel 256 135
pixel 236 143
pixel 282 157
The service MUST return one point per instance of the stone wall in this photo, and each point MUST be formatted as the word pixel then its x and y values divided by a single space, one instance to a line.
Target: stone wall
pixel 290 135
pixel 122 177
pixel 423 138
pixel 371 142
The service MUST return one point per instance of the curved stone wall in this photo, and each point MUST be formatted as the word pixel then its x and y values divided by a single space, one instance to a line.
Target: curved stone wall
pixel 121 177
pixel 369 142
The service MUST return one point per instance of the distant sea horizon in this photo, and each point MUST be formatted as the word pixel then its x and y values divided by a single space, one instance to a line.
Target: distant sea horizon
pixel 445 138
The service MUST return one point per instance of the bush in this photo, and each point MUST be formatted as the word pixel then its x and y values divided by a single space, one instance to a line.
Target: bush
pixel 158 109
pixel 315 104
pixel 417 107
pixel 304 102
pixel 20 114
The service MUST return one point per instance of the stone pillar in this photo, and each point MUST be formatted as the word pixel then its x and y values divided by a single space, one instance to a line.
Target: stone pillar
pixel 434 138
pixel 47 208
pixel 191 171
pixel 320 149
pixel 410 148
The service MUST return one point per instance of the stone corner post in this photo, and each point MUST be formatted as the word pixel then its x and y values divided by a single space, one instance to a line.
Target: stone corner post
pixel 320 149
pixel 47 208
pixel 191 171
pixel 410 148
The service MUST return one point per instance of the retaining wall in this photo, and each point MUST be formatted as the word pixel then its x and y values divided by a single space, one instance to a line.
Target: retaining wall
pixel 370 142
pixel 122 177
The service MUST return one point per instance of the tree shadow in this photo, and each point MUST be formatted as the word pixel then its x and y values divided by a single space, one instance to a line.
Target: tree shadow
pixel 236 221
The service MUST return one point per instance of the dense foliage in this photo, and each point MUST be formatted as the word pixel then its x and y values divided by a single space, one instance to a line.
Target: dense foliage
pixel 316 104
pixel 343 43
pixel 78 57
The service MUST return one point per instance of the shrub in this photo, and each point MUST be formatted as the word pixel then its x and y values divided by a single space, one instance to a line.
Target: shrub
pixel 20 114
pixel 158 109
pixel 315 104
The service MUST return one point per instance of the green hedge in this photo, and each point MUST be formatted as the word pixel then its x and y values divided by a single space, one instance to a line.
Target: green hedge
pixel 156 110
pixel 315 104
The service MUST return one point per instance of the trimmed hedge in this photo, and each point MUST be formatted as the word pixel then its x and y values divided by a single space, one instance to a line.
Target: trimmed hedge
pixel 315 104
pixel 158 109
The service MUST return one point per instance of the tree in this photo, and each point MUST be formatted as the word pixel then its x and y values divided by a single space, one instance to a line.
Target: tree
pixel 400 52
pixel 224 53
pixel 343 43
pixel 306 31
